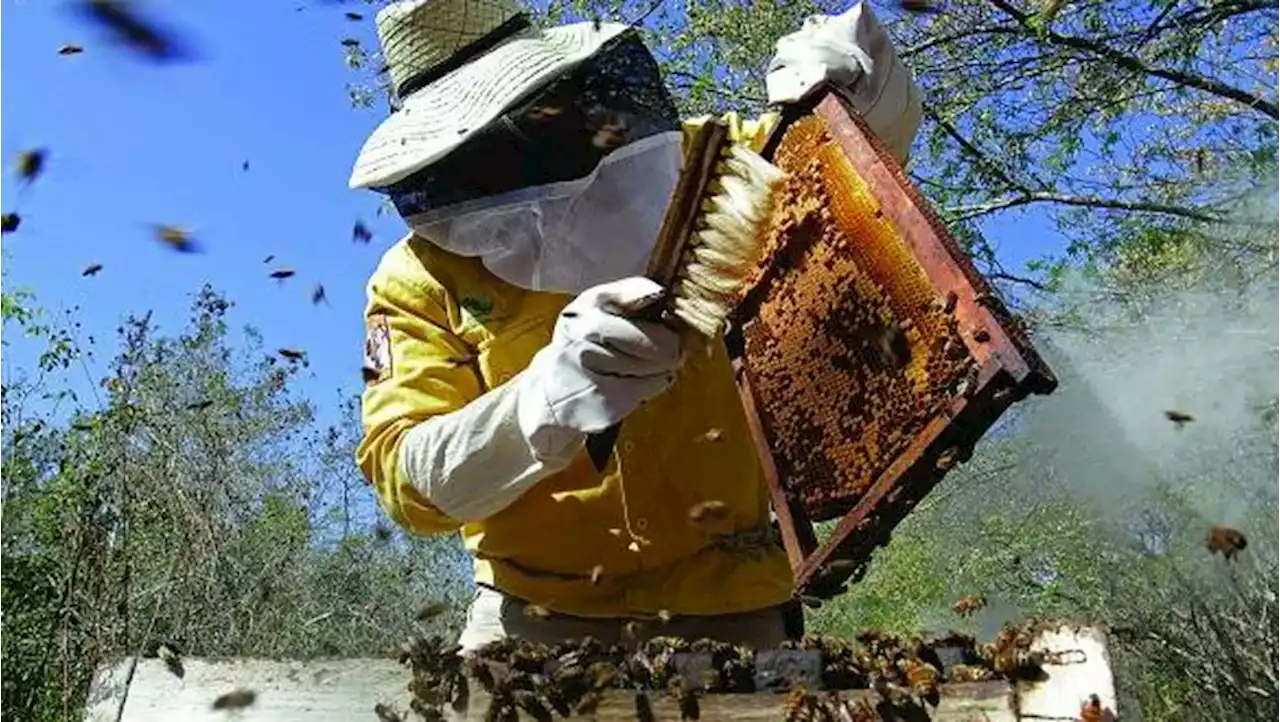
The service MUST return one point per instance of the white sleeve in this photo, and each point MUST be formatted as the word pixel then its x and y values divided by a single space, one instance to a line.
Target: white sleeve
pixel 854 51
pixel 476 461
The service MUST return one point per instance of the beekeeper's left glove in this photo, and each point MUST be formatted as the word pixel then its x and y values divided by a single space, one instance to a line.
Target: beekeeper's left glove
pixel 599 367
pixel 852 51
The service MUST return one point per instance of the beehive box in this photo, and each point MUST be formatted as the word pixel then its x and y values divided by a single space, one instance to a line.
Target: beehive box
pixel 872 355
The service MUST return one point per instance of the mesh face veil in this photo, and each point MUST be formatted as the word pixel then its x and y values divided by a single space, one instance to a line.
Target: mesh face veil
pixel 568 188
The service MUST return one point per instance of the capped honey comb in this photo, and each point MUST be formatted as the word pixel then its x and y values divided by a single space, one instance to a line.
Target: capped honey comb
pixel 850 350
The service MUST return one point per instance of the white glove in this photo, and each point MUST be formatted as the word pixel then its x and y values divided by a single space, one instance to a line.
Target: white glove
pixel 853 51
pixel 597 369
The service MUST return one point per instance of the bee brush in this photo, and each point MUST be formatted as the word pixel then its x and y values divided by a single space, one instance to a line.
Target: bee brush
pixel 709 243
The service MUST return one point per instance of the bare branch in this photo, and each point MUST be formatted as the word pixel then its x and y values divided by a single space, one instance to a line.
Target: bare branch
pixel 1129 62
pixel 968 213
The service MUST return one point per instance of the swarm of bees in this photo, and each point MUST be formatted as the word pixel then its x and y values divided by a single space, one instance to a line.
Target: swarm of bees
pixel 570 677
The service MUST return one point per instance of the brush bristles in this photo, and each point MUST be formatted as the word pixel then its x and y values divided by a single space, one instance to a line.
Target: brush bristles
pixel 725 247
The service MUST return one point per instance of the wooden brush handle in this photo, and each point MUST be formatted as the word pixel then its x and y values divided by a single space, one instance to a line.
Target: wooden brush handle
pixel 678 225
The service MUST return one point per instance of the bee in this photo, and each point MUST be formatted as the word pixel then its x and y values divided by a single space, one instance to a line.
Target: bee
pixel 587 706
pixel 91 269
pixel 1091 709
pixel 1178 418
pixel 529 702
pixel 317 294
pixel 967 673
pixel 292 354
pixel 281 273
pixel 981 335
pixel 664 616
pixel 175 238
pixel 269 259
pixel 705 512
pixel 172 660
pixel 350 43
pixel 949 303
pixel 631 631
pixel 134 32
pixel 686 697
pixel 1225 541
pixel 922 677
pixel 969 604
pixel 244 165
pixel 596 572
pixel 386 714
pixel 199 405
pixel 30 164
pixel 69 49
pixel 236 699
pixel 431 610
pixel 609 136
pixel 381 532
pixel 712 435
pixel 354 17
pixel 644 709
pixel 9 222
pixel 918 7
pixel 360 234
pixel 537 611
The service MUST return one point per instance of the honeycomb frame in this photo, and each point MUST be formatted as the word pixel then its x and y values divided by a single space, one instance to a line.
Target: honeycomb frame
pixel 863 294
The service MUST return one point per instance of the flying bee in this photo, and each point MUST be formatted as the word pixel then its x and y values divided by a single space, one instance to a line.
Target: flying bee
pixel 631 631
pixel 269 259
pixel 386 714
pixel 381 533
pixel 281 273
pixel 354 17
pixel 9 222
pixel 644 708
pixel 664 616
pixel 30 164
pixel 134 32
pixel 176 238
pixel 292 354
pixel 918 7
pixel 199 405
pixel 350 43
pixel 596 572
pixel 360 234
pixel 431 610
pixel 172 660
pixel 1091 709
pixel 969 604
pixel 1225 541
pixel 712 435
pixel 705 512
pixel 235 699
pixel 317 294
pixel 91 269
pixel 1179 418
pixel 69 49
pixel 537 611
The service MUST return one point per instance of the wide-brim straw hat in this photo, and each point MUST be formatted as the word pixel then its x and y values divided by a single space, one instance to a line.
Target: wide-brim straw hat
pixel 456 65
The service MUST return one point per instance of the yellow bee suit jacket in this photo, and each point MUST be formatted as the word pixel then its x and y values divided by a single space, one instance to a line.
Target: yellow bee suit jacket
pixel 457 331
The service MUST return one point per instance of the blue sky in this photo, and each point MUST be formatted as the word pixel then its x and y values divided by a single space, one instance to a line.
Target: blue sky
pixel 133 144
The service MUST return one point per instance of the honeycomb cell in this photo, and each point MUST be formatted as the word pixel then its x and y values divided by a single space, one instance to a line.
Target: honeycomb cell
pixel 850 351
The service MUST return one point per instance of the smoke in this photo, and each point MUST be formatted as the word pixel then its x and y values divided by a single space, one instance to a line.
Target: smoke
pixel 1208 349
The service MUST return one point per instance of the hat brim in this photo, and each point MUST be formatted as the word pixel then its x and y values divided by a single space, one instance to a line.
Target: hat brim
pixel 441 116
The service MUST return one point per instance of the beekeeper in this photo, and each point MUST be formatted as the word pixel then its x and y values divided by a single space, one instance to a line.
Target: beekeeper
pixel 533 168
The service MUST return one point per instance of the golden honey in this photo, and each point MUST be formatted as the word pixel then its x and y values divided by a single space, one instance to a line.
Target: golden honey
pixel 850 350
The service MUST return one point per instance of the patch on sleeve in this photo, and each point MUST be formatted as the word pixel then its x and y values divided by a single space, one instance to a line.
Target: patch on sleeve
pixel 377 350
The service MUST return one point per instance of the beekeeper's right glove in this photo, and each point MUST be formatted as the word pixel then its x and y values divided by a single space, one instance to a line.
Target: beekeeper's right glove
pixel 599 367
